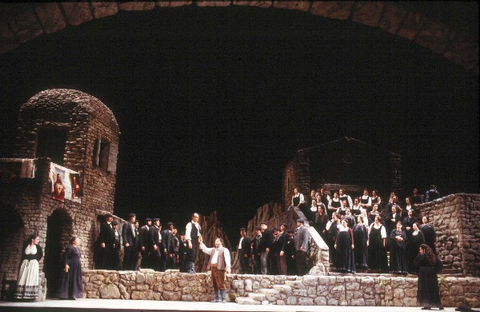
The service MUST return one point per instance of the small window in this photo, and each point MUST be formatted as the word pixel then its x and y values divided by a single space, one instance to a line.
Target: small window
pixel 101 153
pixel 51 143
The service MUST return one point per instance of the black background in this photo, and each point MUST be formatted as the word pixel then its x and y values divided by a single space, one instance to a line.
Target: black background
pixel 212 102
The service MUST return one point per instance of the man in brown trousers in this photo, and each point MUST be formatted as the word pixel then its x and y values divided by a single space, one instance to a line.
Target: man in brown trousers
pixel 219 263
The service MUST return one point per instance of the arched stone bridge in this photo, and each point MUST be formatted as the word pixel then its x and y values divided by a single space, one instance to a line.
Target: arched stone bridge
pixel 460 48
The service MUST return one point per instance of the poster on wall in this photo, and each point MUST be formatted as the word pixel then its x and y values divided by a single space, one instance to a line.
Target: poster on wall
pixel 66 184
pixel 77 187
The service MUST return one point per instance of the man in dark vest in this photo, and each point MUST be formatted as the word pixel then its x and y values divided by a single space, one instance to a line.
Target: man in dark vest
pixel 192 235
pixel 219 263
pixel 156 244
pixel 144 243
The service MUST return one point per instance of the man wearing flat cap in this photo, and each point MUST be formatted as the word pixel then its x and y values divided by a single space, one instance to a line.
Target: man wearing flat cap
pixel 167 236
pixel 114 259
pixel 300 237
pixel 106 239
pixel 282 242
pixel 130 237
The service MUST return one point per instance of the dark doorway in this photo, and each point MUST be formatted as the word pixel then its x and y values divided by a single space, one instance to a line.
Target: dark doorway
pixel 12 233
pixel 51 143
pixel 59 230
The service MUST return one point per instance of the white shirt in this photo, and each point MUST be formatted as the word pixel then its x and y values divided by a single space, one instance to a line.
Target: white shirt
pixel 188 230
pixel 209 251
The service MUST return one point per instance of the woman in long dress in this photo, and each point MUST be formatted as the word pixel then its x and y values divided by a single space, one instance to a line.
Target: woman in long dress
pixel 71 285
pixel 416 239
pixel 344 245
pixel 360 238
pixel 428 294
pixel 377 255
pixel 28 283
pixel 429 233
pixel 398 250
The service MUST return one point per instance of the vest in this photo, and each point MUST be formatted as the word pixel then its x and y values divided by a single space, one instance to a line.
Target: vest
pixel 220 260
pixel 194 232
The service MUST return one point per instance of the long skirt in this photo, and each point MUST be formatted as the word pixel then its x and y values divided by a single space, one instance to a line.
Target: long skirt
pixel 28 284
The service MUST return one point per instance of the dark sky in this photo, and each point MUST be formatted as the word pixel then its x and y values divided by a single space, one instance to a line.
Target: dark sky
pixel 213 102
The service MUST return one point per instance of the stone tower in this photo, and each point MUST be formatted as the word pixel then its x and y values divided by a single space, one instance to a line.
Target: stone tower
pixel 70 134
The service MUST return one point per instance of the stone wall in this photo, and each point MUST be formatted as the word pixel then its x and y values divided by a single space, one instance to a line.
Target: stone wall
pixel 354 290
pixel 18 26
pixel 455 218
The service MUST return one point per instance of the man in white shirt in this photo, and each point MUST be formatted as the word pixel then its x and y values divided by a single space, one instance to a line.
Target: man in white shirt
pixel 219 263
pixel 192 235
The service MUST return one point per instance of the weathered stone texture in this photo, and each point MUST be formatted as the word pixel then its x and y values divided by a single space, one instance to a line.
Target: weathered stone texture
pixel 25 26
pixel 136 6
pixel 368 13
pixel 172 3
pixel 392 17
pixel 104 9
pixel 254 3
pixel 332 9
pixel 412 25
pixel 435 36
pixel 292 5
pixel 203 3
pixel 50 17
pixel 77 12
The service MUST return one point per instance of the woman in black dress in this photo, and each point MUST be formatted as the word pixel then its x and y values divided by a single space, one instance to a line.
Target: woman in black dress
pixel 428 293
pixel 398 250
pixel 377 254
pixel 360 238
pixel 429 233
pixel 344 245
pixel 71 285
pixel 416 239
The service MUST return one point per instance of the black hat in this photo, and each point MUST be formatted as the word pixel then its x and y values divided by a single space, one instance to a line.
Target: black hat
pixel 131 215
pixel 108 215
pixel 243 229
pixel 156 219
pixel 257 228
pixel 169 223
pixel 300 220
pixel 148 219
pixel 114 222
pixel 284 224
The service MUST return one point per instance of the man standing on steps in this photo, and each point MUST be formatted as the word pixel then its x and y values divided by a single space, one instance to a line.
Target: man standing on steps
pixel 301 245
pixel 192 235
pixel 219 263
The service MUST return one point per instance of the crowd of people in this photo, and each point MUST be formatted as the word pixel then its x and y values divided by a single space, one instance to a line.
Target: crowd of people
pixel 360 232
pixel 274 251
pixel 147 246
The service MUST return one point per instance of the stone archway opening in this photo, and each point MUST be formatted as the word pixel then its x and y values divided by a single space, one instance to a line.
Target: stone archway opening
pixel 59 232
pixel 12 234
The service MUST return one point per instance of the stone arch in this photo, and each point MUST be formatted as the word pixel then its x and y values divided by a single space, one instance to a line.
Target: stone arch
pixel 12 236
pixel 458 47
pixel 59 232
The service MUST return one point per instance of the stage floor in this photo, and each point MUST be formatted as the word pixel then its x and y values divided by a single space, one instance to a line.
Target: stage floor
pixel 151 305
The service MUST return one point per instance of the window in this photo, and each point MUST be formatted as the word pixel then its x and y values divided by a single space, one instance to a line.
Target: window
pixel 101 153
pixel 51 143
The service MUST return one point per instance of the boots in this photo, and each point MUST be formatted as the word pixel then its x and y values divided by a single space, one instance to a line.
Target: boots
pixel 217 296
pixel 223 296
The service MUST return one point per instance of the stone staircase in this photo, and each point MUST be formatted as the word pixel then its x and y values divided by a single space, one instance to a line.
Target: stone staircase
pixel 279 294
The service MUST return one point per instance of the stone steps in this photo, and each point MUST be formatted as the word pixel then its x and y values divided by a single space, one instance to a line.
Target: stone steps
pixel 247 300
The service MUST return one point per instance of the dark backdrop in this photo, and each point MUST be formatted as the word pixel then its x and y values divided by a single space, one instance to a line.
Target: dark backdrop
pixel 213 102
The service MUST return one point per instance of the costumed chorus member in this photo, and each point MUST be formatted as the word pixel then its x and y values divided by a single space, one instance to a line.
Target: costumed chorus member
pixel 193 232
pixel 427 264
pixel 28 283
pixel 71 285
pixel 219 263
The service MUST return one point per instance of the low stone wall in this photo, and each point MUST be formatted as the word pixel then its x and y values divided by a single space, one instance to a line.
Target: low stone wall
pixel 353 290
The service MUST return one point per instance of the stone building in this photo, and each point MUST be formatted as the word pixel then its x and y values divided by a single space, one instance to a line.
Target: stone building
pixel 346 162
pixel 65 133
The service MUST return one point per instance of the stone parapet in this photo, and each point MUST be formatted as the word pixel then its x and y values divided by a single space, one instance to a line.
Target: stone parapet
pixel 333 290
